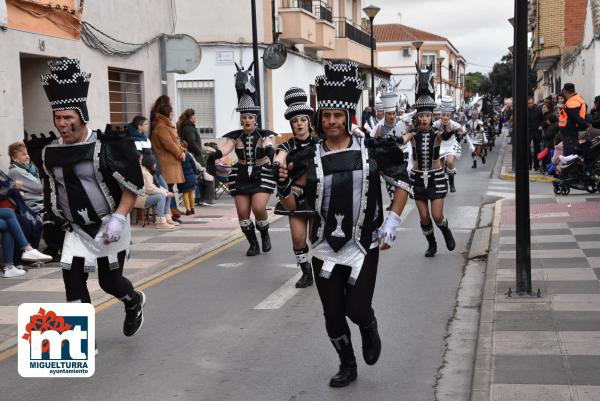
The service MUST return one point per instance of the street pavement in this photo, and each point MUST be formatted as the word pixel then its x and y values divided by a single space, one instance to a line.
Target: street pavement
pixel 228 327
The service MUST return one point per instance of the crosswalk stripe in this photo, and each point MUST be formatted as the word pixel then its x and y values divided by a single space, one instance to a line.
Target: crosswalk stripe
pixel 280 296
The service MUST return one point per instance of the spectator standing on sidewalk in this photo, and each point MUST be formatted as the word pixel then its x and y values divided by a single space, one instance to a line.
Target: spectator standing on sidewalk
pixel 595 113
pixel 169 151
pixel 23 170
pixel 534 131
pixel 186 128
pixel 572 118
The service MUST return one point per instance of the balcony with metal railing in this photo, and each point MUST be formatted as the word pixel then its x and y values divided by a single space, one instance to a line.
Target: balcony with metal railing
pixel 351 43
pixel 307 22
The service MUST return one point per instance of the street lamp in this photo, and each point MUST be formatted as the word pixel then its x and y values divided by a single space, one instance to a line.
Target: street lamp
pixel 371 12
pixel 441 79
pixel 417 45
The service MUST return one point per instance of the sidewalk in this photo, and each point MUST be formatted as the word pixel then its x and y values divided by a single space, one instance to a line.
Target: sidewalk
pixel 548 348
pixel 508 174
pixel 153 253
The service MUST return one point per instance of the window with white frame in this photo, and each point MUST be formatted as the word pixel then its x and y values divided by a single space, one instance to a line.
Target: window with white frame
pixel 125 96
pixel 200 96
pixel 429 60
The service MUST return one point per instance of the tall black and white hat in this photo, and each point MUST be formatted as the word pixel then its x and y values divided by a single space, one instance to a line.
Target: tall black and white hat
pixel 247 105
pixel 295 98
pixel 66 86
pixel 339 88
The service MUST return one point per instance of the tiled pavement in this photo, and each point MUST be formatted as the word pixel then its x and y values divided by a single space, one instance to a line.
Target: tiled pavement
pixel 548 348
pixel 153 252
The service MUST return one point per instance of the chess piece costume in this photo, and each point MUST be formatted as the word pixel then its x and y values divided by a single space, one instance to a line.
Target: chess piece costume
pixel 87 180
pixel 450 145
pixel 343 189
pixel 475 132
pixel 372 122
pixel 400 177
pixel 427 183
pixel 297 151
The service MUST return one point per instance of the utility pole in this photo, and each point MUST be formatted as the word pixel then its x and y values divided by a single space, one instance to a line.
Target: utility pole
pixel 522 220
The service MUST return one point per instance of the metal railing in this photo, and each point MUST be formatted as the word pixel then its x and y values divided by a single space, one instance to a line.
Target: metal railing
pixel 344 28
pixel 303 4
pixel 322 11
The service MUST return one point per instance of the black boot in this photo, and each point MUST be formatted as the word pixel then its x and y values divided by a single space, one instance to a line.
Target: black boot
pixel 474 163
pixel 264 235
pixel 307 279
pixel 371 343
pixel 451 182
pixel 428 232
pixel 448 237
pixel 483 159
pixel 251 237
pixel 347 372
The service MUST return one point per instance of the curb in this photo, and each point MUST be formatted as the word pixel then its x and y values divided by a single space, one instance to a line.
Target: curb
pixel 505 175
pixel 482 372
pixel 455 377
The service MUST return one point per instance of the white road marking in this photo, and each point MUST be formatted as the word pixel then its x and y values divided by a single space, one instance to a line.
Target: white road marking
pixel 230 265
pixel 281 295
pixel 290 265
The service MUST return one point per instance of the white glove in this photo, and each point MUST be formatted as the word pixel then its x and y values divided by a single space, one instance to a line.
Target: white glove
pixel 114 228
pixel 387 232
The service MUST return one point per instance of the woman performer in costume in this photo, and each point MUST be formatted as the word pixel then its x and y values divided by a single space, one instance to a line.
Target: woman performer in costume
pixel 428 177
pixel 450 148
pixel 251 181
pixel 299 114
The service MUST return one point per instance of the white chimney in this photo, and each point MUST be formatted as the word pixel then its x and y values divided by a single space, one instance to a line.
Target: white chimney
pixel 399 18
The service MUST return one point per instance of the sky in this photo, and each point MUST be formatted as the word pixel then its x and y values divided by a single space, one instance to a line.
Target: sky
pixel 479 29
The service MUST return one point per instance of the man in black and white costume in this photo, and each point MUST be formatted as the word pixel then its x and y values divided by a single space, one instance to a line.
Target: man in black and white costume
pixel 450 149
pixel 373 121
pixel 94 180
pixel 343 188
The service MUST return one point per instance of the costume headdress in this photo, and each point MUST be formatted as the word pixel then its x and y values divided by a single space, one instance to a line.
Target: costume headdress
pixel 66 86
pixel 339 88
pixel 295 98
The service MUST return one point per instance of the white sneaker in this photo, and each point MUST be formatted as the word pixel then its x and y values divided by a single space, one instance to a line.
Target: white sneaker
pixel 11 271
pixel 35 256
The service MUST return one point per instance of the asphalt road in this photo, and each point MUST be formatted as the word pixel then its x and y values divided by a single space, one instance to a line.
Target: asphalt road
pixel 204 339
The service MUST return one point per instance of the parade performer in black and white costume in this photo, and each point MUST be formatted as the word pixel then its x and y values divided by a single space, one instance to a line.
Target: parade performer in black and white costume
pixel 94 180
pixel 299 114
pixel 398 186
pixel 450 149
pixel 475 137
pixel 343 188
pixel 428 176
pixel 250 182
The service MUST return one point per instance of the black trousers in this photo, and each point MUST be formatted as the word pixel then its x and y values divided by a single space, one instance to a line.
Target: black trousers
pixel 341 299
pixel 111 281
pixel 536 138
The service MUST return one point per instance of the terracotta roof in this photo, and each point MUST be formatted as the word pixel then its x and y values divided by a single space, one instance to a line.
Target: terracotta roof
pixel 402 33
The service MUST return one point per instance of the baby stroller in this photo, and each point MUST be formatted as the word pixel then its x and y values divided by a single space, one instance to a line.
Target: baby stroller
pixel 582 174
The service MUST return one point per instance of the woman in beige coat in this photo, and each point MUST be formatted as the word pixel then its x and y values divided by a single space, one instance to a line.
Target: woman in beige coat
pixel 168 150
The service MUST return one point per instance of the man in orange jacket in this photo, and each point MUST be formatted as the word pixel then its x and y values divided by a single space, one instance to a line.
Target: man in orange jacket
pixel 574 120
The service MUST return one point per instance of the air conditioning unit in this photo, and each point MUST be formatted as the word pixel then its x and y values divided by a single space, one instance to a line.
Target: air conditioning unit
pixel 406 52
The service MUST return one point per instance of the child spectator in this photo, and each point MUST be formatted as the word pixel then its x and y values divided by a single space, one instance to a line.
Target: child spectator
pixel 190 173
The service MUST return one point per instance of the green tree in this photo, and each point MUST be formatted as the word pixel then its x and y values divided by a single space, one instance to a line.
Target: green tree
pixel 475 82
pixel 501 77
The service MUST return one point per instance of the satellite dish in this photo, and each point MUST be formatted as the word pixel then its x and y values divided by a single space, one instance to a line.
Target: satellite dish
pixel 274 56
pixel 183 53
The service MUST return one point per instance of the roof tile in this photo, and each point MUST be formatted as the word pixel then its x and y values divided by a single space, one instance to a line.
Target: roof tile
pixel 402 33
